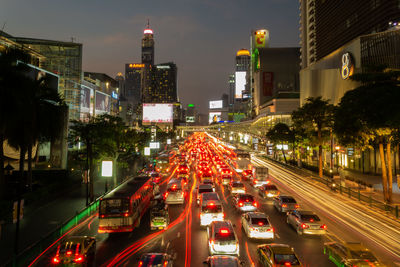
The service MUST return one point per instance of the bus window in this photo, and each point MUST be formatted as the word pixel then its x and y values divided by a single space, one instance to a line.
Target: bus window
pixel 114 206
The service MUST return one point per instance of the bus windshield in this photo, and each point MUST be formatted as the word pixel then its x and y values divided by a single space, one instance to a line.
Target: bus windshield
pixel 114 206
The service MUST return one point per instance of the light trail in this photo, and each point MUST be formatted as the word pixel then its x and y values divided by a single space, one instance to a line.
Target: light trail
pixel 248 255
pixel 370 224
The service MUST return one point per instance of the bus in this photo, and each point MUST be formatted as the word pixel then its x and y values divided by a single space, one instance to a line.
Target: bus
pixel 122 208
pixel 243 161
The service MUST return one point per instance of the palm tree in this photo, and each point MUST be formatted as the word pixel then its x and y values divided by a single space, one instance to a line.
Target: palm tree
pixel 10 74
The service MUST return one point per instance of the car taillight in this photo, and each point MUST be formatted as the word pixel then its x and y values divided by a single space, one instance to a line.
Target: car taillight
pixel 165 263
pixel 255 204
pixel 166 194
pixel 69 252
pixel 252 228
pixel 288 264
pixel 305 226
pixel 323 227
pixel 140 263
pixel 56 260
pixel 126 214
pixel 270 229
pixel 78 258
pixel 101 216
pixel 296 206
pixel 284 206
pixel 240 204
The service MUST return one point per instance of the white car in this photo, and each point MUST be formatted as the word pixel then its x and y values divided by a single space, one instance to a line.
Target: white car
pixel 306 222
pixel 257 225
pixel 222 239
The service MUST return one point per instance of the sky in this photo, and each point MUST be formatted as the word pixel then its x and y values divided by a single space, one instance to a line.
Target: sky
pixel 200 36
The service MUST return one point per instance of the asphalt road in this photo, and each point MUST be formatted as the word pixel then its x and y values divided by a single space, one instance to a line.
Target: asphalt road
pixel 188 242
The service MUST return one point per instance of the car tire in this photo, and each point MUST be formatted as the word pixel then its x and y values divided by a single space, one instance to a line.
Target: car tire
pixel 299 232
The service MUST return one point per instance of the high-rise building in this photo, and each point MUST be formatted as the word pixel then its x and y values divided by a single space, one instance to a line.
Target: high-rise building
pixel 327 25
pixel 148 46
pixel 147 82
pixel 166 83
pixel 133 83
pixel 65 60
pixel 231 83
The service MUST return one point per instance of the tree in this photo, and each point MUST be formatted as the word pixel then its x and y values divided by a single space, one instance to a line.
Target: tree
pixel 281 134
pixel 315 117
pixel 11 74
pixel 369 114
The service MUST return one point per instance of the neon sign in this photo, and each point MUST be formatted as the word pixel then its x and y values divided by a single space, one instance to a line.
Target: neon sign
pixel 347 66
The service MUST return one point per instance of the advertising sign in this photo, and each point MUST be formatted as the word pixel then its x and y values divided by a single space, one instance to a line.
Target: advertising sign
pixel 214 117
pixel 106 168
pixel 50 79
pixel 261 38
pixel 216 104
pixel 160 113
pixel 240 83
pixel 189 118
pixel 85 99
pixel 154 145
pixel 268 83
pixel 102 102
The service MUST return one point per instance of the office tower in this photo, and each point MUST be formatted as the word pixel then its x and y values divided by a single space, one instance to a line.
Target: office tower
pixel 231 82
pixel 148 46
pixel 327 25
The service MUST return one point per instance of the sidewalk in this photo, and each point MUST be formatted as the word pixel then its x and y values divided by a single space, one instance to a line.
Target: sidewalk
pixel 40 219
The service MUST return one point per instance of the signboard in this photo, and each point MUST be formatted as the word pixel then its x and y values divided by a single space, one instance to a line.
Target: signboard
pixel 347 66
pixel 268 83
pixel 154 145
pixel 350 151
pixel 136 65
pixel 214 117
pixel 106 168
pixel 261 38
pixel 159 113
pixel 147 151
pixel 216 104
pixel 190 105
pixel 190 119
pixel 240 83
pixel 102 103
pixel 168 141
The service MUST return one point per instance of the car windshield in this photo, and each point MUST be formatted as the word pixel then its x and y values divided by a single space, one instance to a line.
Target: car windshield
pixel 270 187
pixel 157 214
pixel 310 217
pixel 246 198
pixel 363 254
pixel 152 260
pixel 286 258
pixel 114 206
pixel 288 200
pixel 260 221
pixel 237 185
pixel 211 208
pixel 204 190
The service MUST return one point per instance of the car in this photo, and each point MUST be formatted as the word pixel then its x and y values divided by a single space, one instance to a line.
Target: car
pixel 222 239
pixel 274 255
pixel 156 178
pixel 211 210
pixel 245 202
pixel 247 175
pixel 285 203
pixel 204 170
pixel 226 176
pixel 268 191
pixel 236 187
pixel 76 250
pixel 222 261
pixel 159 218
pixel 183 169
pixel 203 188
pixel 351 254
pixel 306 222
pixel 155 260
pixel 175 193
pixel 257 225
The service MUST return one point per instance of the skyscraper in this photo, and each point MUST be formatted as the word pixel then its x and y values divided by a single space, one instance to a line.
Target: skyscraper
pixel 148 82
pixel 327 25
pixel 148 46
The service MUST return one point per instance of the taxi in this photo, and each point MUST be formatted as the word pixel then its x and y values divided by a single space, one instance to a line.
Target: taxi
pixel 76 250
pixel 277 255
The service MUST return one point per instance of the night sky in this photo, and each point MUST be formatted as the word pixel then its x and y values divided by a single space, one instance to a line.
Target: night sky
pixel 200 36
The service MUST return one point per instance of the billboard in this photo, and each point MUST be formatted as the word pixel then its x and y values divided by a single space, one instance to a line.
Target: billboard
pixel 260 38
pixel 216 104
pixel 190 119
pixel 160 113
pixel 102 104
pixel 214 117
pixel 49 79
pixel 240 83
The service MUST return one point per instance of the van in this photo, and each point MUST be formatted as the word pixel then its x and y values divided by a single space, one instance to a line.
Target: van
pixel 261 176
pixel 210 208
pixel 175 193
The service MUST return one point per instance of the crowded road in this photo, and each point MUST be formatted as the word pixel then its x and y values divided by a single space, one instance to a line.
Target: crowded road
pixel 186 241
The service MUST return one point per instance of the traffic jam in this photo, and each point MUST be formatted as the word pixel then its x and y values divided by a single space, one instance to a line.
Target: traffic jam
pixel 204 203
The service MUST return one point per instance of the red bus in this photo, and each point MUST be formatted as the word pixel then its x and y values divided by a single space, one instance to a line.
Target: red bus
pixel 122 208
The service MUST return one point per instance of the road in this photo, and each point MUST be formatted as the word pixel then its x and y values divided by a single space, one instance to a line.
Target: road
pixel 346 219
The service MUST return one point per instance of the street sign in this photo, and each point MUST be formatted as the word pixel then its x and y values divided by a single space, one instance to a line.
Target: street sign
pixel 154 145
pixel 147 151
pixel 168 141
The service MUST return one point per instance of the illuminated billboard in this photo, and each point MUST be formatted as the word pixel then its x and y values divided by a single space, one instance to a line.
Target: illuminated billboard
pixel 214 117
pixel 190 119
pixel 260 38
pixel 240 83
pixel 102 103
pixel 215 104
pixel 160 113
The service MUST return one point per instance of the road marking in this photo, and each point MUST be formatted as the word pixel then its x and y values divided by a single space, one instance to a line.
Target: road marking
pixel 178 234
pixel 277 235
